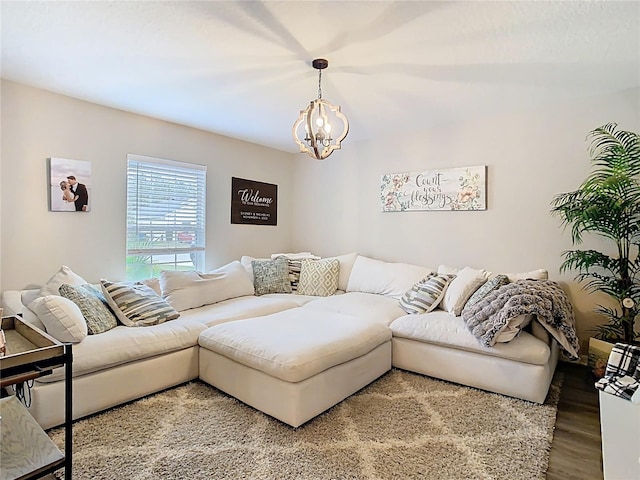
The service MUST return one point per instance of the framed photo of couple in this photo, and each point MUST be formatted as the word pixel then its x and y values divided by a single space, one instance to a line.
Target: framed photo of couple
pixel 69 185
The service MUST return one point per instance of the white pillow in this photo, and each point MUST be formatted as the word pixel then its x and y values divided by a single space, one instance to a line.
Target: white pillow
pixel 540 274
pixel 246 263
pixel 62 318
pixel 184 290
pixel 467 281
pixel 64 275
pixel 346 265
pixel 513 327
pixel 383 278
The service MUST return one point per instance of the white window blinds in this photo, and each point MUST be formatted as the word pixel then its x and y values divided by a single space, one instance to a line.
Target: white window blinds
pixel 165 216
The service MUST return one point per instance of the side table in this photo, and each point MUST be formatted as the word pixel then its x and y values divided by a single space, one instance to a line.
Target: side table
pixel 26 450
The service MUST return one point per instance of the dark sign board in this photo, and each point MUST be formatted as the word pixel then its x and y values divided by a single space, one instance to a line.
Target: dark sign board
pixel 253 203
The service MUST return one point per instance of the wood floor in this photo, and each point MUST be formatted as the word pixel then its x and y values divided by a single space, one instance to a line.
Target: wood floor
pixel 576 451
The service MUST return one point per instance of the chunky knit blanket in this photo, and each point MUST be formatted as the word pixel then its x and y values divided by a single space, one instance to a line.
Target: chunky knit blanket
pixel 542 298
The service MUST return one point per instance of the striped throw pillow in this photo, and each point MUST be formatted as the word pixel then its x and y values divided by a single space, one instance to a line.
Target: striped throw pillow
pixel 137 305
pixel 425 295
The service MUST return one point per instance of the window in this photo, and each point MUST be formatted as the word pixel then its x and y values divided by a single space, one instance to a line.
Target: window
pixel 165 216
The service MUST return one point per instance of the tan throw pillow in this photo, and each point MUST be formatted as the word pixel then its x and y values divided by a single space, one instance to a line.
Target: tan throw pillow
pixel 467 281
pixel 319 278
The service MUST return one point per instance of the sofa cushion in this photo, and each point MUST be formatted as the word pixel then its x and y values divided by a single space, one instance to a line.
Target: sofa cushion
pixel 137 305
pixel 123 344
pixel 319 278
pixel 467 281
pixel 425 295
pixel 153 283
pixel 93 306
pixel 346 266
pixel 442 328
pixel 271 276
pixel 191 289
pixel 314 341
pixel 383 278
pixel 61 317
pixel 372 307
pixel 540 274
pixel 240 308
pixel 64 275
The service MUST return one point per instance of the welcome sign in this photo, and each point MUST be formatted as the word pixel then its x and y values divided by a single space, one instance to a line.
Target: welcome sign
pixel 445 189
pixel 253 203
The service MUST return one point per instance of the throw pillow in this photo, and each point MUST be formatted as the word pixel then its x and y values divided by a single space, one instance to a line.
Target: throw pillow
pixel 295 265
pixel 93 306
pixel 425 295
pixel 271 276
pixel 513 328
pixel 137 305
pixel 467 281
pixel 62 319
pixel 64 275
pixel 491 285
pixel 319 278
pixel 191 289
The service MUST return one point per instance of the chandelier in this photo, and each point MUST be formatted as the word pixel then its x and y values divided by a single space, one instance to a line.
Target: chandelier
pixel 320 120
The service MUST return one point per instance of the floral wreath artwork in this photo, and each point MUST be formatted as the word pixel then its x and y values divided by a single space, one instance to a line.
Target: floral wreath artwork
pixel 463 188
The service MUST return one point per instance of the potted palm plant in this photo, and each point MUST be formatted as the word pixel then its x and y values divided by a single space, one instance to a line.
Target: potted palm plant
pixel 607 204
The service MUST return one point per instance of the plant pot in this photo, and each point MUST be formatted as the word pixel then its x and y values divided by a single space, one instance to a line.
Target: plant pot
pixel 599 351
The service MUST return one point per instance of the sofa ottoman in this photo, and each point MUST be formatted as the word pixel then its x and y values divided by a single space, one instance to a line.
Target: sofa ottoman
pixel 295 364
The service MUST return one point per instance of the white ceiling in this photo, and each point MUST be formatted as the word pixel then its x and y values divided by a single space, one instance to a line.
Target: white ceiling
pixel 243 68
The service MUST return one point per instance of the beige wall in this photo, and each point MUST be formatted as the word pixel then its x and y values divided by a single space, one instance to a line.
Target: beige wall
pixel 34 242
pixel 328 207
pixel 530 157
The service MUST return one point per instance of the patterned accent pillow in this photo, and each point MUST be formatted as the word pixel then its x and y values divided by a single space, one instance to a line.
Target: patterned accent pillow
pixel 93 306
pixel 319 277
pixel 137 305
pixel 425 295
pixel 491 285
pixel 295 267
pixel 271 276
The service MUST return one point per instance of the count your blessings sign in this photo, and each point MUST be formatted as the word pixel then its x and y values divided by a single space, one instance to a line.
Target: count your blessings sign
pixel 444 189
pixel 253 203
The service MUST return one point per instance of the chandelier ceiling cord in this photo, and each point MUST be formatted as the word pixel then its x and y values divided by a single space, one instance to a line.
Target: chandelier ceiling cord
pixel 320 120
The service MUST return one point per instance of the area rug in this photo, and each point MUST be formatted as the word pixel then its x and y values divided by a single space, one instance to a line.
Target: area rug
pixel 403 426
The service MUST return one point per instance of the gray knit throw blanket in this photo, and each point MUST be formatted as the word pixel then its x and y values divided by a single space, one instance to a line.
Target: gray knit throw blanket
pixel 542 298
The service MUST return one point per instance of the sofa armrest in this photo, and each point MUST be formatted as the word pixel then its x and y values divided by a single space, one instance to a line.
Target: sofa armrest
pixel 12 302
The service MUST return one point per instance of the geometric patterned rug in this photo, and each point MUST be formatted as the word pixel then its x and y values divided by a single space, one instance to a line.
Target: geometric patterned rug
pixel 402 426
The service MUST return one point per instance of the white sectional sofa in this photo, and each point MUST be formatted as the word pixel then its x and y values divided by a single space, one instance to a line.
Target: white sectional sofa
pixel 287 354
